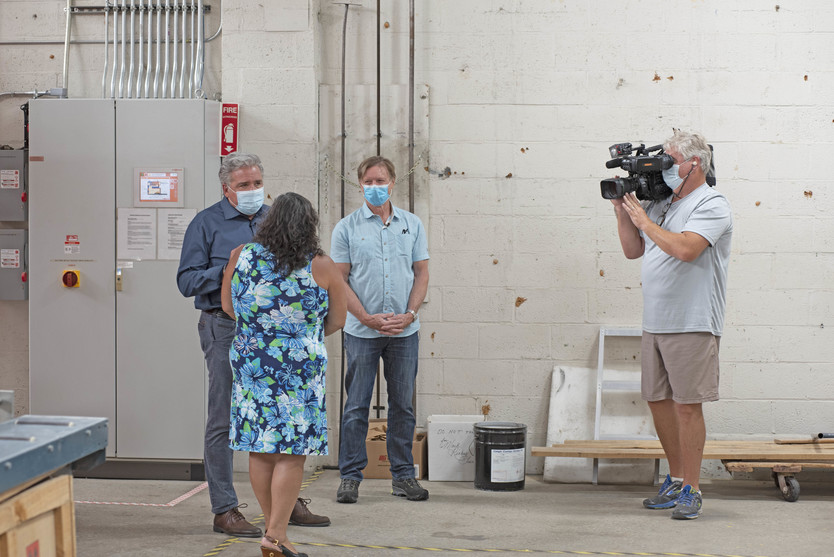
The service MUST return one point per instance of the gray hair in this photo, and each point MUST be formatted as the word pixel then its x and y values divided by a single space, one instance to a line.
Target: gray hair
pixel 690 144
pixel 235 161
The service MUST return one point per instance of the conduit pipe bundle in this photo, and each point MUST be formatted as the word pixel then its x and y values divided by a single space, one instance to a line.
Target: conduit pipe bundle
pixel 150 58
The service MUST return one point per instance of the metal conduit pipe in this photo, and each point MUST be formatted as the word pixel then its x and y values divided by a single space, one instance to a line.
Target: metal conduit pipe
pixel 184 63
pixel 147 94
pixel 123 21
pixel 115 51
pixel 167 56
pixel 191 73
pixel 174 61
pixel 106 50
pixel 342 213
pixel 158 48
pixel 198 72
pixel 132 51
pixel 411 107
pixel 83 41
pixel 378 94
pixel 141 50
pixel 67 43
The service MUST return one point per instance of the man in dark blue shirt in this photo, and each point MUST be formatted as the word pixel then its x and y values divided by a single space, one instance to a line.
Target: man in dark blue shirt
pixel 209 240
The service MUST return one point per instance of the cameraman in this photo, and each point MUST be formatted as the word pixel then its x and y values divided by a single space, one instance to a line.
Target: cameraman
pixel 685 244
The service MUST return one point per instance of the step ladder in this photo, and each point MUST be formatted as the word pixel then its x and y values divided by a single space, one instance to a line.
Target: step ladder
pixel 604 386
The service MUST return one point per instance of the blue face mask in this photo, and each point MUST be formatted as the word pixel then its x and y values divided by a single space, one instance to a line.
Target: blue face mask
pixel 377 195
pixel 249 201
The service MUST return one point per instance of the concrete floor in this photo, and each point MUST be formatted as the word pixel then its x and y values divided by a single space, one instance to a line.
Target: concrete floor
pixel 740 518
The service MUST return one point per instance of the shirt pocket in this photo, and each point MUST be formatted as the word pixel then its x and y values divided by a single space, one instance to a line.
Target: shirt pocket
pixel 362 248
pixel 405 245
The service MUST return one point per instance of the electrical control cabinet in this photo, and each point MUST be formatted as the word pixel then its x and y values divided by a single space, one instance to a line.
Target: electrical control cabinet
pixel 110 334
pixel 13 268
pixel 13 194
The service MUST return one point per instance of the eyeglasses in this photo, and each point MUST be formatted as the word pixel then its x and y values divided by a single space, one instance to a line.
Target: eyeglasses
pixel 662 218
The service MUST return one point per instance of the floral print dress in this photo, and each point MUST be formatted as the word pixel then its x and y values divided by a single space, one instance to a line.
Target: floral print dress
pixel 278 358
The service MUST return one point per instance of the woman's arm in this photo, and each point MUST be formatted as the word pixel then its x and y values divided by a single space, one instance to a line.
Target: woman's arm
pixel 327 275
pixel 226 288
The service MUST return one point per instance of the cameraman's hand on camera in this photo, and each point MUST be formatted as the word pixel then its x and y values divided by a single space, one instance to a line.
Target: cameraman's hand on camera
pixel 635 211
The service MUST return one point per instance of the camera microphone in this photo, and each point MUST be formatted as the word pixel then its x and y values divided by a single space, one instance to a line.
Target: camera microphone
pixel 614 163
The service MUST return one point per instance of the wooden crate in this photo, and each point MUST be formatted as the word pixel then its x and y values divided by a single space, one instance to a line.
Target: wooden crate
pixel 38 520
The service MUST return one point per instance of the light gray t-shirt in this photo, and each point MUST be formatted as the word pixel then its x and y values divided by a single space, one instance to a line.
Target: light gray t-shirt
pixel 681 297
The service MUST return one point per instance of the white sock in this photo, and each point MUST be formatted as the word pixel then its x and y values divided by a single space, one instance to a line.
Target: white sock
pixel 674 479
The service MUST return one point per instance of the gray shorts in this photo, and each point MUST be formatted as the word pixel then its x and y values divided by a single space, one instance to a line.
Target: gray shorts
pixel 680 366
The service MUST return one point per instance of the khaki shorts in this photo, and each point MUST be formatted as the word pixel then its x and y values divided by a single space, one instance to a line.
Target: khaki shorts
pixel 680 366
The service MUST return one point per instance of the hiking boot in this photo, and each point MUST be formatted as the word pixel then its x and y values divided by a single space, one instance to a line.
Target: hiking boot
pixel 666 497
pixel 410 489
pixel 689 504
pixel 348 491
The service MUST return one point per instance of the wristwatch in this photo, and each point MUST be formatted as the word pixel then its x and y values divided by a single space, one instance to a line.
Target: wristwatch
pixel 413 313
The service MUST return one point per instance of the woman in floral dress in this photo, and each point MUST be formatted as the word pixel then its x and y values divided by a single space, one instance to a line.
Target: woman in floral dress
pixel 286 296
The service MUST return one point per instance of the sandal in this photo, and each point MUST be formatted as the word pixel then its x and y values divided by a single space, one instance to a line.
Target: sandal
pixel 279 547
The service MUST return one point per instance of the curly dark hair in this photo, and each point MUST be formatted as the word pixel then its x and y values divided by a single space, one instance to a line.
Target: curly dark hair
pixel 290 232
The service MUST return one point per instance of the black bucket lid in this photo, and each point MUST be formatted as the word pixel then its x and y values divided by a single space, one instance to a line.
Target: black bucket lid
pixel 500 426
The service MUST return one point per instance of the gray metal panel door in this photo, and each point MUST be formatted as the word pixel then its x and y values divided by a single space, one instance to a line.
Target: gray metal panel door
pixel 72 195
pixel 161 379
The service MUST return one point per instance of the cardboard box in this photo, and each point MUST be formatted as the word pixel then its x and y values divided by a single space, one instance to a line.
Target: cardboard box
pixel 452 448
pixel 378 465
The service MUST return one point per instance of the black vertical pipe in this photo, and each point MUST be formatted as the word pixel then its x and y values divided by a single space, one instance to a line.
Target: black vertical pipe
pixel 342 178
pixel 378 406
pixel 410 105
pixel 411 140
pixel 378 81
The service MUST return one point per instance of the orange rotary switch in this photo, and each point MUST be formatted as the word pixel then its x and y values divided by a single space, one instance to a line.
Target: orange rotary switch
pixel 71 278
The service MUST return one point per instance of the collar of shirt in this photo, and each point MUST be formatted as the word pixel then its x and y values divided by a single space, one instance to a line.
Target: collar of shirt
pixel 367 213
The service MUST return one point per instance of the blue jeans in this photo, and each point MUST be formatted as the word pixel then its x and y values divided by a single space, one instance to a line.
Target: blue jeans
pixel 399 356
pixel 216 335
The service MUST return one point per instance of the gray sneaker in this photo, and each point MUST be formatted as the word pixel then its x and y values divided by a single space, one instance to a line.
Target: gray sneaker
pixel 666 497
pixel 689 504
pixel 348 491
pixel 410 489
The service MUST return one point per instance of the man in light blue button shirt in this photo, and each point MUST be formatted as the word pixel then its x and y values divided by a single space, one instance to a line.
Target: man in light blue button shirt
pixel 382 252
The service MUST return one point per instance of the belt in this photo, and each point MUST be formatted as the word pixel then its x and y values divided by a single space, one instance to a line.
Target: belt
pixel 218 312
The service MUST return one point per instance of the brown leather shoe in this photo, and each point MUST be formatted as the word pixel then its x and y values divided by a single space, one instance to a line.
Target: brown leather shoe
pixel 232 523
pixel 301 515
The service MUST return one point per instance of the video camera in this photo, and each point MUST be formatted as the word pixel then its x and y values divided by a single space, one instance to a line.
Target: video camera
pixel 645 172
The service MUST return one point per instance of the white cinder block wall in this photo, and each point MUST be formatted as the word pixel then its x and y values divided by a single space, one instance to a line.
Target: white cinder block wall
pixel 524 97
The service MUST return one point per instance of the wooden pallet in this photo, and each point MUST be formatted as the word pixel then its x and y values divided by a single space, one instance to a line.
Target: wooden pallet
pixel 784 457
pixel 718 450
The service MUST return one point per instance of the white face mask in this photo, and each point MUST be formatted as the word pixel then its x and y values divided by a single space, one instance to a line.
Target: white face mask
pixel 672 178
pixel 672 175
pixel 249 201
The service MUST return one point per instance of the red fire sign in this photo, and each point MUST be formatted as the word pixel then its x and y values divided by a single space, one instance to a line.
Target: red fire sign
pixel 229 129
